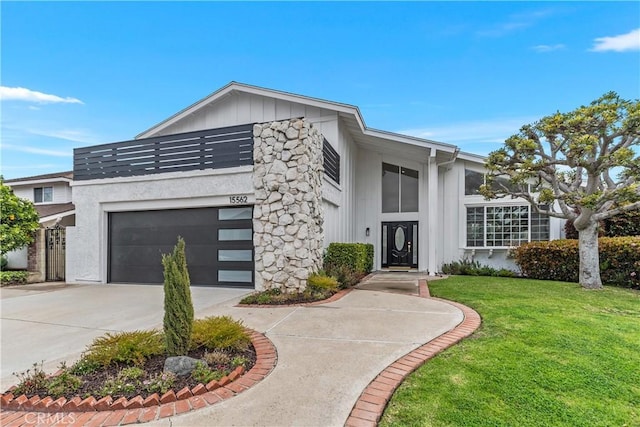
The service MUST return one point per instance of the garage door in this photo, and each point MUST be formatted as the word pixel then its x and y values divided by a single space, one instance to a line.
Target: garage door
pixel 219 245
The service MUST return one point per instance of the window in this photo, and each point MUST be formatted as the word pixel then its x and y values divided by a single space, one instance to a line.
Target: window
pixel 399 189
pixel 43 194
pixel 505 226
pixel 472 182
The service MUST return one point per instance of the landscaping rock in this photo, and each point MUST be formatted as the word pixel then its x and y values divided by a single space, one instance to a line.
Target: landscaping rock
pixel 181 366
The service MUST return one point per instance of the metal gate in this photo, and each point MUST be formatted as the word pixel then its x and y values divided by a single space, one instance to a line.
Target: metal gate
pixel 55 239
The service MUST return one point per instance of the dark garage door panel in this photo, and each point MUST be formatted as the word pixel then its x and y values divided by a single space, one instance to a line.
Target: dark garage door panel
pixel 138 239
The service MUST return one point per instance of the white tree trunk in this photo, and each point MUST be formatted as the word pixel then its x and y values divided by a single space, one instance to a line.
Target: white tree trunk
pixel 589 257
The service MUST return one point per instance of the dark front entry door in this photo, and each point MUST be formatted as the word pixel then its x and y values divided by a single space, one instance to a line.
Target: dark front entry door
pixel 400 244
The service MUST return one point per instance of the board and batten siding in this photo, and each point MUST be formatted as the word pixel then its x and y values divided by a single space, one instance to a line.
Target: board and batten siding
pixel 238 108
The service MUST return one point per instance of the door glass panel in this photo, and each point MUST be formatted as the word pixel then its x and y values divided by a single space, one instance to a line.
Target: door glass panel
pixel 235 234
pixel 384 244
pixel 390 188
pixel 399 238
pixel 234 255
pixel 409 181
pixel 235 213
pixel 234 276
pixel 415 239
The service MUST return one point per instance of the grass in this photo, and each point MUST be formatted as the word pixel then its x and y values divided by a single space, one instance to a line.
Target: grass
pixel 547 354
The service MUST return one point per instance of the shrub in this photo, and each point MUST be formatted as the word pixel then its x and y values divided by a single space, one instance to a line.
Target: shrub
pixel 4 262
pixel 84 366
pixel 467 267
pixel 624 224
pixel 559 260
pixel 322 282
pixel 159 383
pixel 129 348
pixel 178 307
pixel 63 384
pixel 219 332
pixel 357 256
pixel 203 374
pixel 13 278
pixel 31 380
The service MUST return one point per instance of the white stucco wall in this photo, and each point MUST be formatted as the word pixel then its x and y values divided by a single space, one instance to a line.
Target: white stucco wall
pixel 17 260
pixel 94 199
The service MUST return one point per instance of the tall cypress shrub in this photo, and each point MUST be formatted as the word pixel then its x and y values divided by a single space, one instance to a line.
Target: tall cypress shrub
pixel 178 307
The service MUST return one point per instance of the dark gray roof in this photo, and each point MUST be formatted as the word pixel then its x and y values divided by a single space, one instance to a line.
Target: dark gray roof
pixel 54 209
pixel 67 175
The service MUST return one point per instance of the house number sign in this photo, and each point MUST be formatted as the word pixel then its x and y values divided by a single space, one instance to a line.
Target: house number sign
pixel 237 200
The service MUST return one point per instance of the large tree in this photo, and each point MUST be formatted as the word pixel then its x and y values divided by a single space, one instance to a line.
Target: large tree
pixel 583 164
pixel 18 220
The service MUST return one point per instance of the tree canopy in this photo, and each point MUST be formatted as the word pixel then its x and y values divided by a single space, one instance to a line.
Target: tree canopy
pixel 584 164
pixel 18 220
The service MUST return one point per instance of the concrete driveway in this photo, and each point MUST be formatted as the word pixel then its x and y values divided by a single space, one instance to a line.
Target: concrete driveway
pixel 327 354
pixel 54 322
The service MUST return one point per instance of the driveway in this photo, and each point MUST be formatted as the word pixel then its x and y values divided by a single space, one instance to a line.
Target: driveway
pixel 327 354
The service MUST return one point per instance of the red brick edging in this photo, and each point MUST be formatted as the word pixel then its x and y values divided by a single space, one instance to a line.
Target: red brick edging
pixel 373 400
pixel 22 411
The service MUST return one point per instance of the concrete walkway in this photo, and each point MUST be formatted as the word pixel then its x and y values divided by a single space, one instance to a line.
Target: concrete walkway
pixel 327 354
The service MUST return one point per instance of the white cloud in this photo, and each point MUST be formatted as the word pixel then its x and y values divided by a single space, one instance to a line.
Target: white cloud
pixel 74 135
pixel 36 150
pixel 620 43
pixel 543 48
pixel 516 22
pixel 23 94
pixel 471 135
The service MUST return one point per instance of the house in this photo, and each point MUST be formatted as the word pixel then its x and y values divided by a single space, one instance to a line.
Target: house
pixel 51 195
pixel 260 181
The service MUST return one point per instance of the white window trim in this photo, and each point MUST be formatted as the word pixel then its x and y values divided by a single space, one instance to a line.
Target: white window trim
pixel 43 202
pixel 495 205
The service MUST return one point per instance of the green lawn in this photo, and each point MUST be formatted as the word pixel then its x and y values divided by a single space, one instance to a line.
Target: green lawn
pixel 546 354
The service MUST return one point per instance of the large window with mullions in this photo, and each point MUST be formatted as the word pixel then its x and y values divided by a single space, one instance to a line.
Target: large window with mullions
pixel 505 226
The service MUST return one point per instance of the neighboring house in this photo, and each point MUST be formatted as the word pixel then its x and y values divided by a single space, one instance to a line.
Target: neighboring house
pixel 259 182
pixel 51 195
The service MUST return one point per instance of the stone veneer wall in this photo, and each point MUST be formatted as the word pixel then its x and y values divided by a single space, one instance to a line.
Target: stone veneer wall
pixel 287 215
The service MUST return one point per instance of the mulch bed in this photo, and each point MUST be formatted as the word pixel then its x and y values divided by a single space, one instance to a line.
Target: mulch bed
pixel 93 382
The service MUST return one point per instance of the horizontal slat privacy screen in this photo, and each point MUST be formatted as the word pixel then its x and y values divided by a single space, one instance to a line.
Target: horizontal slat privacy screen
pixel 207 149
pixel 331 161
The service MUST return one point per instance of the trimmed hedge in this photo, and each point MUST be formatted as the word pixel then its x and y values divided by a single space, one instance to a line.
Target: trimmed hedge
pixel 624 224
pixel 560 260
pixel 357 256
pixel 348 262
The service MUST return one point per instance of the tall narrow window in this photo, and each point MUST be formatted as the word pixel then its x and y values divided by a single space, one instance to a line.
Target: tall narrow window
pixel 472 182
pixel 399 189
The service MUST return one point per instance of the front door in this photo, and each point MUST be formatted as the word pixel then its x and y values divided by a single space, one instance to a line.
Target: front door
pixel 400 244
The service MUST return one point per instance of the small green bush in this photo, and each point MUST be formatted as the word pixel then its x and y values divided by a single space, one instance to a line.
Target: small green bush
pixel 560 260
pixel 63 384
pixel 128 348
pixel 13 278
pixel 84 366
pixel 219 332
pixel 203 374
pixel 4 262
pixel 321 282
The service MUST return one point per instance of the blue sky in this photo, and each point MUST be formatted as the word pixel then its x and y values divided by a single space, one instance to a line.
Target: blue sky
pixel 466 73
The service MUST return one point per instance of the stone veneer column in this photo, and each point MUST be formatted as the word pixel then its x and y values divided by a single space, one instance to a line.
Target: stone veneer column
pixel 287 215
